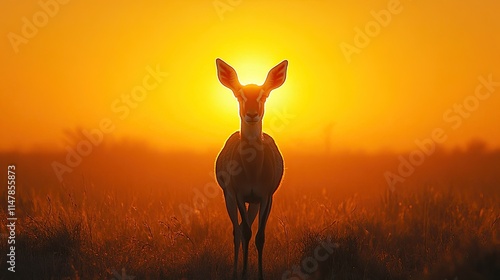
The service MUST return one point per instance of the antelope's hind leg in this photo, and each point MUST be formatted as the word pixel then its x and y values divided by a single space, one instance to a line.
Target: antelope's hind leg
pixel 253 210
pixel 246 233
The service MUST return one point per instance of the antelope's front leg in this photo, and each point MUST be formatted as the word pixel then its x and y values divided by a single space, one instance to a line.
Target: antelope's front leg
pixel 265 209
pixel 232 210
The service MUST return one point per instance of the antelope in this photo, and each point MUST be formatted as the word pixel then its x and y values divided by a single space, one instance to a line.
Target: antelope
pixel 249 167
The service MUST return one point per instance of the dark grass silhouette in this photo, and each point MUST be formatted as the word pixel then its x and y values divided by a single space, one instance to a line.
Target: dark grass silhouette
pixel 442 223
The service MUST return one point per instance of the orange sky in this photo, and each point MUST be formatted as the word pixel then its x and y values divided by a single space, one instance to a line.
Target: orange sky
pixel 84 59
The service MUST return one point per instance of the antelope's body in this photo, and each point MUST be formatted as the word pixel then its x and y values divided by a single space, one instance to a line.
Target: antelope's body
pixel 249 167
pixel 252 183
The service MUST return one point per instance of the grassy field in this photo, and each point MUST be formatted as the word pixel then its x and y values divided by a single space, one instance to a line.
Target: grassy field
pixel 92 228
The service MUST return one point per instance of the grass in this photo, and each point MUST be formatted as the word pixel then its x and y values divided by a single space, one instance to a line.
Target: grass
pixel 429 234
pixel 331 219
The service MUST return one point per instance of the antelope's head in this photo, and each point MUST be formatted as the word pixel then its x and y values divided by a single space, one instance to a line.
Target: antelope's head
pixel 251 97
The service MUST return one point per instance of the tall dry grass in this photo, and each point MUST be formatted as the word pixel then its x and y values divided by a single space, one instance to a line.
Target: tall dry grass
pixel 83 233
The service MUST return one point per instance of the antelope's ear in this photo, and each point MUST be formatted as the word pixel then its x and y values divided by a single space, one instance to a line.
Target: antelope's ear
pixel 276 76
pixel 227 76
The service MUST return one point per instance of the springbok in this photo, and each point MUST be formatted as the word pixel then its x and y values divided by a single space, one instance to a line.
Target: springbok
pixel 249 167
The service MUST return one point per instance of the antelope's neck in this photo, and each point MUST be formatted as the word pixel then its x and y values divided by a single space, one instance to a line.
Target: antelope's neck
pixel 252 133
pixel 252 150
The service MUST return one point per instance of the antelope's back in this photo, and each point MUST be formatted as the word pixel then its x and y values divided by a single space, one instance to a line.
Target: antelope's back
pixel 229 159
